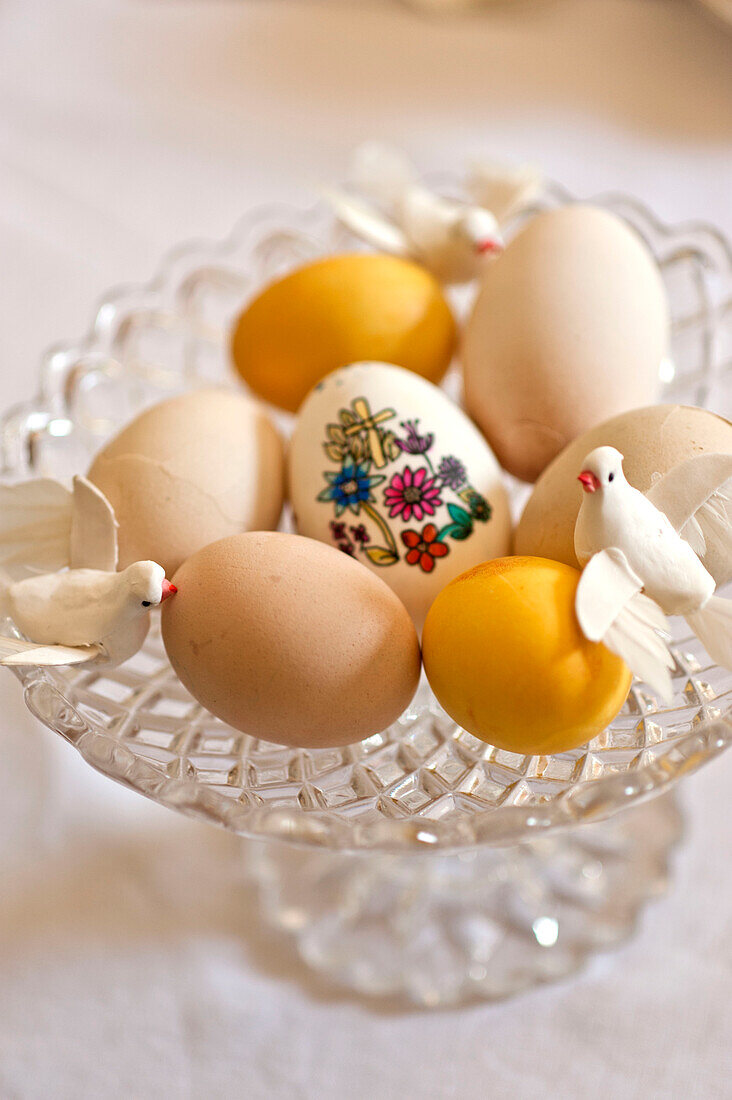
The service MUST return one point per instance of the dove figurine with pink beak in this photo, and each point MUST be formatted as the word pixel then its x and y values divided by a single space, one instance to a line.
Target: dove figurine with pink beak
pixel 649 555
pixel 394 212
pixel 59 582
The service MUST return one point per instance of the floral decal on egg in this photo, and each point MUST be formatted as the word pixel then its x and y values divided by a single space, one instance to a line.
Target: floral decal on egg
pixel 424 548
pixel 433 496
pixel 412 494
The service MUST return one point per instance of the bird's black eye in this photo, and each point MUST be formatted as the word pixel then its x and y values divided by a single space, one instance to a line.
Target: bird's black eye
pixel 147 603
pixel 610 477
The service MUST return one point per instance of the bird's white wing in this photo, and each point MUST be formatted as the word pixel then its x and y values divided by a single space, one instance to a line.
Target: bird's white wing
pixel 44 528
pixel 126 640
pixel 611 609
pixel 502 189
pixel 35 527
pixel 367 223
pixel 13 651
pixel 382 173
pixel 696 496
pixel 93 539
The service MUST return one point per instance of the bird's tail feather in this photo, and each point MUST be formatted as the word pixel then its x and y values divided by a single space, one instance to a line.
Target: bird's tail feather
pixel 713 627
pixel 367 223
pixel 709 530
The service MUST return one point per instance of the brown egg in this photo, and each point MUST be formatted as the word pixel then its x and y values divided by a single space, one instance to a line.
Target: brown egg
pixel 291 640
pixel 652 440
pixel 191 470
pixel 569 327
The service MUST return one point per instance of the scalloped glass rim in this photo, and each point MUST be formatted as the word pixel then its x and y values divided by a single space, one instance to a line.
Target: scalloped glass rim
pixel 122 357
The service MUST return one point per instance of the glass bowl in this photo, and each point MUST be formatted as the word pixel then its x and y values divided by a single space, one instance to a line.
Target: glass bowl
pixel 426 863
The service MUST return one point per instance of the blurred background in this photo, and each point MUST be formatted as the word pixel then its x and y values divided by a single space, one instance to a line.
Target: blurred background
pixel 131 962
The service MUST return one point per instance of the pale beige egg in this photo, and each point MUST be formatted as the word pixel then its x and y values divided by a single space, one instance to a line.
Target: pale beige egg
pixel 290 640
pixel 652 440
pixel 191 470
pixel 569 327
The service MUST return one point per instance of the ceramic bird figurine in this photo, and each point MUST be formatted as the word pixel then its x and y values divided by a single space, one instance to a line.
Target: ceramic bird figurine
pixel 58 578
pixel 83 613
pixel 398 214
pixel 649 555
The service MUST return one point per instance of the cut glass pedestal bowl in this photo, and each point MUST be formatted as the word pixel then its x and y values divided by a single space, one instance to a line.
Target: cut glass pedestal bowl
pixel 420 863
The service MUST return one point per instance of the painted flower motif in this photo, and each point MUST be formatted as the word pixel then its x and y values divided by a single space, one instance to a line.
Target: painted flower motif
pixel 360 534
pixel 390 445
pixel 350 487
pixel 452 472
pixel 415 444
pixel 361 435
pixel 479 507
pixel 338 528
pixel 423 549
pixel 412 494
pixel 347 548
pixel 341 447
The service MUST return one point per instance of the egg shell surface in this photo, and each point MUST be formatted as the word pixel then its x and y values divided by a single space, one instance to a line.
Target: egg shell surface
pixel 384 466
pixel 188 471
pixel 569 327
pixel 652 440
pixel 290 640
pixel 506 658
pixel 338 310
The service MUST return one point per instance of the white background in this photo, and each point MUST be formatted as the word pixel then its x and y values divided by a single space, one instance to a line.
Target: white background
pixel 131 963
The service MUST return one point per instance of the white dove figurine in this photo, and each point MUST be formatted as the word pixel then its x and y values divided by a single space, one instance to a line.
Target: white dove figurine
pixel 82 614
pixel 649 555
pixel 58 578
pixel 398 214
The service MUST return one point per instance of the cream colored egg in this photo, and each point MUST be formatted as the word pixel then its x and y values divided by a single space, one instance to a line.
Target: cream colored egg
pixel 652 440
pixel 190 470
pixel 569 327
pixel 385 467
pixel 290 641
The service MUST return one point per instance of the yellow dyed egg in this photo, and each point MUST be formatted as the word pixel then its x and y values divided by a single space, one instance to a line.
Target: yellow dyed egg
pixel 340 310
pixel 506 658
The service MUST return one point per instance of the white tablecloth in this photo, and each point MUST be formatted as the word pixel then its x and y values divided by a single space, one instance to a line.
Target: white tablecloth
pixel 131 963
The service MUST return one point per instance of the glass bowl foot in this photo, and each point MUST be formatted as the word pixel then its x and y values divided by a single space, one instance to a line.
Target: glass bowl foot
pixel 484 923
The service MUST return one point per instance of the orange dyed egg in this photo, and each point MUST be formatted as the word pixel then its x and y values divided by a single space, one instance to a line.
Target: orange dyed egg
pixel 340 310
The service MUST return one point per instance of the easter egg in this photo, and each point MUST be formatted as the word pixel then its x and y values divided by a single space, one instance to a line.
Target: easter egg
pixel 652 440
pixel 385 467
pixel 190 470
pixel 291 641
pixel 506 658
pixel 336 311
pixel 569 327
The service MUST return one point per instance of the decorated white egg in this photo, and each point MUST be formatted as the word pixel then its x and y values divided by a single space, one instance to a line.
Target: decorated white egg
pixel 383 465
